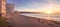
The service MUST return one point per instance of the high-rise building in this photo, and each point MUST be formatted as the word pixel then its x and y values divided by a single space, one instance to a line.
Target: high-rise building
pixel 2 7
pixel 9 8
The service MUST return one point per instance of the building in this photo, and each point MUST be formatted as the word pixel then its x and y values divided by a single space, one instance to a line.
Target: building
pixel 9 8
pixel 2 7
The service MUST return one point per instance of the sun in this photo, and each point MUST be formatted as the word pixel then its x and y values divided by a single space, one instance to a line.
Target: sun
pixel 49 12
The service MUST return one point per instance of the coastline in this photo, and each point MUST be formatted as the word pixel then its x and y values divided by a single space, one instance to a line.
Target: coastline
pixel 18 20
pixel 43 20
pixel 40 19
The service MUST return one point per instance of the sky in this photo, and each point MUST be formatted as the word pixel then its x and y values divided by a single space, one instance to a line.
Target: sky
pixel 35 5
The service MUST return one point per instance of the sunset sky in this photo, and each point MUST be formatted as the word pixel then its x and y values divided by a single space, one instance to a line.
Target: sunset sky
pixel 36 5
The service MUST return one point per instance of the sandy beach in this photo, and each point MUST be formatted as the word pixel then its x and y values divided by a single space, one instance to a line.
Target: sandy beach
pixel 17 20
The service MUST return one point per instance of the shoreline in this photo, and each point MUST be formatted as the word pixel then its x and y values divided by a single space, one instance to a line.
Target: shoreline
pixel 41 19
pixel 17 19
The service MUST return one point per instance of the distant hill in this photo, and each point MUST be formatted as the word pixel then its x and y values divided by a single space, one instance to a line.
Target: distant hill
pixel 31 12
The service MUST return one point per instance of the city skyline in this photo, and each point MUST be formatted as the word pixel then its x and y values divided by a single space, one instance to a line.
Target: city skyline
pixel 34 5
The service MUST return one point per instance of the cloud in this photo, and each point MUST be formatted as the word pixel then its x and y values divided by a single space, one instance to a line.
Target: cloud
pixel 37 5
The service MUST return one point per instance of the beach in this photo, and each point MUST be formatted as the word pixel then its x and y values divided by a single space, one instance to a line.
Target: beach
pixel 17 20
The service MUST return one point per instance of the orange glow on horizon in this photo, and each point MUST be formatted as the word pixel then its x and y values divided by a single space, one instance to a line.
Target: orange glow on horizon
pixel 48 12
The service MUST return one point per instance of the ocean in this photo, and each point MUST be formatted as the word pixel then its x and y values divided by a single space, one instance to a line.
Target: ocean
pixel 55 17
